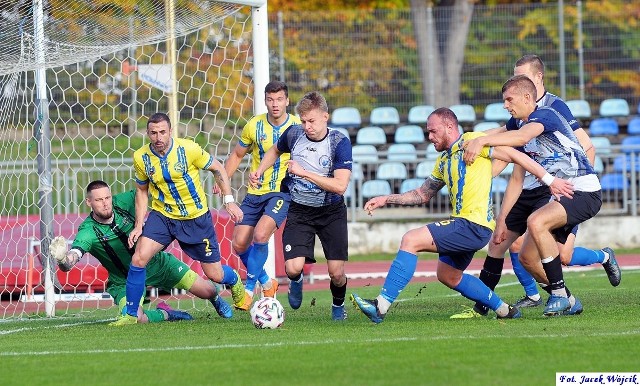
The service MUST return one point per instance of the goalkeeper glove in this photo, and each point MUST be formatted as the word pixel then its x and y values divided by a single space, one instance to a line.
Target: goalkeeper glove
pixel 58 248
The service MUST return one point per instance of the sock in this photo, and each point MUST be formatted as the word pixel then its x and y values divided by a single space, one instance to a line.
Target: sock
pixel 338 293
pixel 583 256
pixel 230 277
pixel 399 275
pixel 473 288
pixel 156 316
pixel 255 264
pixel 135 288
pixel 545 287
pixel 244 256
pixel 490 275
pixel 297 278
pixel 383 304
pixel 524 277
pixel 553 268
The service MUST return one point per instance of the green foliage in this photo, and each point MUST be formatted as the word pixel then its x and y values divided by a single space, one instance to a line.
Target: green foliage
pixel 417 343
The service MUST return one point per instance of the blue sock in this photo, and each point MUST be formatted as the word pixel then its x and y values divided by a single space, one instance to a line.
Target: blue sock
pixel 230 277
pixel 473 288
pixel 135 288
pixel 255 267
pixel 524 277
pixel 244 256
pixel 399 275
pixel 583 256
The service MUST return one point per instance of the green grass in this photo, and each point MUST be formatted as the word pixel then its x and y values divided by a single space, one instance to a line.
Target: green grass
pixel 416 344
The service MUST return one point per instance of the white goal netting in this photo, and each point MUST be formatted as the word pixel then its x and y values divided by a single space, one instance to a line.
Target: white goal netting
pixel 106 67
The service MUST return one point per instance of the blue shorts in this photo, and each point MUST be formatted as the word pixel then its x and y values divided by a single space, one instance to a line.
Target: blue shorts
pixel 197 237
pixel 457 240
pixel 274 205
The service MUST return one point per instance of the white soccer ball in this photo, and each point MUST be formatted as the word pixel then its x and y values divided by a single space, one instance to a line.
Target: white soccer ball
pixel 267 313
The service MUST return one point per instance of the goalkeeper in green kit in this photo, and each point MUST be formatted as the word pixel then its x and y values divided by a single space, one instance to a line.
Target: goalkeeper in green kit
pixel 104 234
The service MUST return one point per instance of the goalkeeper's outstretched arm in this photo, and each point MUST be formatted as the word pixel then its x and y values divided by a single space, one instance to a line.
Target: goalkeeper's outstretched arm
pixel 66 258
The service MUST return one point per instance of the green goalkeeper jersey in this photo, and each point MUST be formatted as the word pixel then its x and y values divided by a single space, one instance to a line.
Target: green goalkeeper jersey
pixel 109 242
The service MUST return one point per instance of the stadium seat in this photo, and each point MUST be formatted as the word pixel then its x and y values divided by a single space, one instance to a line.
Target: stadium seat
pixel 387 115
pixel 374 188
pixel 404 152
pixel 356 172
pixel 496 112
pixel 465 113
pixel 483 126
pixel 418 114
pixel 508 170
pixel 499 185
pixel 411 184
pixel 601 144
pixel 391 170
pixel 598 165
pixel 432 153
pixel 623 163
pixel 364 153
pixel 631 144
pixel 614 107
pixel 424 169
pixel 409 134
pixel 343 131
pixel 346 117
pixel 371 135
pixel 603 126
pixel 614 182
pixel 634 126
pixel 579 108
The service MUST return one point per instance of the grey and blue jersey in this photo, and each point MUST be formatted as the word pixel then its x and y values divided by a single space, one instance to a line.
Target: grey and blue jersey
pixel 319 157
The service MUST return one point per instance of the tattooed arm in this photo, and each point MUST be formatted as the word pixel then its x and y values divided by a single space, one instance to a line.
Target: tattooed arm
pixel 417 196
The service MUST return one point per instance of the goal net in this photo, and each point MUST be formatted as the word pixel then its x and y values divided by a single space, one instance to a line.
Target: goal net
pixel 78 79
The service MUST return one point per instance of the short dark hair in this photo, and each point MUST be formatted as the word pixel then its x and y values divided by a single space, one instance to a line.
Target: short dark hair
pixel 533 60
pixel 310 101
pixel 97 184
pixel 446 114
pixel 523 85
pixel 275 86
pixel 159 117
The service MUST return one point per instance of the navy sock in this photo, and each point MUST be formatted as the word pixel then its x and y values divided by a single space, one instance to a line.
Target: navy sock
pixel 473 288
pixel 135 288
pixel 400 273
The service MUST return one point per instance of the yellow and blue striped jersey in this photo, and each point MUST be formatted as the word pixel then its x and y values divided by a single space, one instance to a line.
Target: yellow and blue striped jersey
pixel 174 180
pixel 469 185
pixel 259 135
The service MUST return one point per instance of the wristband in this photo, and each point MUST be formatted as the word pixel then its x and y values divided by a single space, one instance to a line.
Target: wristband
pixel 228 199
pixel 547 179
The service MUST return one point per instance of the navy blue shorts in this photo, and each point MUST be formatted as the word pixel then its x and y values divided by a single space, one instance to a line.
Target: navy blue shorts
pixel 197 237
pixel 580 208
pixel 274 205
pixel 457 240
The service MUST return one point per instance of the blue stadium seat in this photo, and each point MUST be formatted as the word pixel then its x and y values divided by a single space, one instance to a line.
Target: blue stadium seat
pixel 614 182
pixel 465 113
pixel 424 169
pixel 631 144
pixel 356 172
pixel 603 126
pixel 634 126
pixel 499 185
pixel 622 163
pixel 364 153
pixel 409 134
pixel 343 131
pixel 371 135
pixel 386 115
pixel 346 117
pixel 508 170
pixel 601 144
pixel 411 184
pixel 598 165
pixel 374 188
pixel 391 170
pixel 579 108
pixel 419 114
pixel 404 152
pixel 614 107
pixel 432 153
pixel 496 112
pixel 483 126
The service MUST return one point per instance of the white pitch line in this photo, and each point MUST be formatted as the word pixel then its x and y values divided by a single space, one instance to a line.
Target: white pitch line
pixel 7 332
pixel 312 343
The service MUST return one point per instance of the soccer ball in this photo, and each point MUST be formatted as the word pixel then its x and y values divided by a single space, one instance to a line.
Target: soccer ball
pixel 267 313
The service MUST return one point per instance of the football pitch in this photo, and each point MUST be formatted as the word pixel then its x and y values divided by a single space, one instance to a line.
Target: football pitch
pixel 417 344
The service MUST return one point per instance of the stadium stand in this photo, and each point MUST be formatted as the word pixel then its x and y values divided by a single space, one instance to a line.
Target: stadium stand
pixel 483 126
pixel 603 126
pixel 409 134
pixel 385 115
pixel 465 113
pixel 424 169
pixel 579 108
pixel 496 112
pixel 633 128
pixel 614 107
pixel 346 117
pixel 391 170
pixel 374 188
pixel 371 135
pixel 418 114
pixel 404 152
pixel 364 153
pixel 410 184
pixel 602 145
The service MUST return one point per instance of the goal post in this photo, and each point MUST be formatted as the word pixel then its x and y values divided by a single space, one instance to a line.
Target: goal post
pixel 72 108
